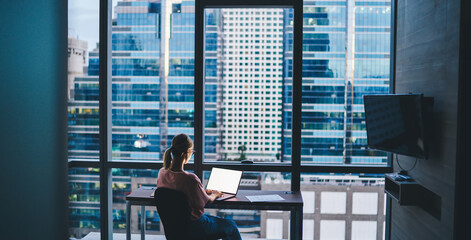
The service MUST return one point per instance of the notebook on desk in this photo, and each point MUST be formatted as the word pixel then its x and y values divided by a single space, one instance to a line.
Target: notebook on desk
pixel 226 181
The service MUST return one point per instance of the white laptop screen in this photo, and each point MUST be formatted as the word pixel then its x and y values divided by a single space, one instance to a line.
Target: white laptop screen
pixel 224 180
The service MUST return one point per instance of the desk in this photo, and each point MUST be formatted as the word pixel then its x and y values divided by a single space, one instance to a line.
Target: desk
pixel 293 202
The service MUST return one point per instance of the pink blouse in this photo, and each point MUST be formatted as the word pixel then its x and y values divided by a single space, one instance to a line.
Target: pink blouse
pixel 187 183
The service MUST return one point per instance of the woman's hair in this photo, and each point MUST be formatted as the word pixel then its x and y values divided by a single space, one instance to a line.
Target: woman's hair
pixel 180 145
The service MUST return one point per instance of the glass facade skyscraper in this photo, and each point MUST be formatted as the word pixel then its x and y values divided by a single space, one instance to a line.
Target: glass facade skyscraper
pixel 346 51
pixel 252 83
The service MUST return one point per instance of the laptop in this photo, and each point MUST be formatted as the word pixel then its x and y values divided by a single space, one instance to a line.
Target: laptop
pixel 226 181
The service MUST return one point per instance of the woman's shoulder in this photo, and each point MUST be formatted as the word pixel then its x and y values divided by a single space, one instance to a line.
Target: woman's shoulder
pixel 162 170
pixel 191 175
pixel 185 175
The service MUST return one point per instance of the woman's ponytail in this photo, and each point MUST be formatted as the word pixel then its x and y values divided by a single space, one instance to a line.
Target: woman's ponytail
pixel 180 145
pixel 167 158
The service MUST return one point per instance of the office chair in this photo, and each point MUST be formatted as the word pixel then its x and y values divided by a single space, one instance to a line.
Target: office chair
pixel 173 209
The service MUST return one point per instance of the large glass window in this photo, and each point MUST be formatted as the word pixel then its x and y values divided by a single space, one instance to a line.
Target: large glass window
pixel 83 117
pixel 153 73
pixel 84 202
pixel 243 80
pixel 254 224
pixel 249 108
pixel 82 79
pixel 346 54
pixel 124 182
pixel 344 206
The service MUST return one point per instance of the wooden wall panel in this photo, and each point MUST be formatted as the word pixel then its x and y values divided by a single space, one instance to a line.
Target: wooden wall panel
pixel 427 61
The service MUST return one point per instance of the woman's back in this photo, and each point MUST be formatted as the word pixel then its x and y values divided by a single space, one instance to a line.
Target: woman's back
pixel 189 184
pixel 173 176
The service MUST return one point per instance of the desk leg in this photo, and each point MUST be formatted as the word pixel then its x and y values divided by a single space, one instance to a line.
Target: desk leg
pixel 143 222
pixel 296 224
pixel 128 220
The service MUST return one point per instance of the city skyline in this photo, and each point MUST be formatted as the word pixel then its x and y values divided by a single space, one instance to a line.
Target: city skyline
pixel 332 110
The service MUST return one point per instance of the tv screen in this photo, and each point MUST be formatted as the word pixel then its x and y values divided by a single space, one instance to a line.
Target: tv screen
pixel 395 123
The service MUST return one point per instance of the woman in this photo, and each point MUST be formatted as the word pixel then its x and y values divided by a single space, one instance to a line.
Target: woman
pixel 173 176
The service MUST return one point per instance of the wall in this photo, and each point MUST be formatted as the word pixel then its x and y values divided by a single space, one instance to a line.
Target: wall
pixel 33 119
pixel 427 61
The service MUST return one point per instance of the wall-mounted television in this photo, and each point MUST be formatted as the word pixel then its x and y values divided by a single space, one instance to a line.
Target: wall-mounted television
pixel 397 123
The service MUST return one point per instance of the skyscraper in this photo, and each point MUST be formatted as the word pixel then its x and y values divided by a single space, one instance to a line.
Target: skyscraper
pixel 253 53
pixel 77 61
pixel 345 55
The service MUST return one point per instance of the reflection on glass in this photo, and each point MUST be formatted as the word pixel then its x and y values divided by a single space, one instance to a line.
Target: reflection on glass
pixel 82 79
pixel 244 83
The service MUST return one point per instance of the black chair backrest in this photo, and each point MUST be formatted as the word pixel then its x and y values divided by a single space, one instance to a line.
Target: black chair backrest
pixel 173 209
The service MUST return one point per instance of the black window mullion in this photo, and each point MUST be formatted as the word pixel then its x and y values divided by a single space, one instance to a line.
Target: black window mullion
pixel 297 93
pixel 392 89
pixel 199 88
pixel 83 164
pixel 263 167
pixel 106 220
pixel 250 167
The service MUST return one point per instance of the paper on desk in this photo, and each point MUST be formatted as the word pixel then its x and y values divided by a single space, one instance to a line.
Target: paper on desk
pixel 265 198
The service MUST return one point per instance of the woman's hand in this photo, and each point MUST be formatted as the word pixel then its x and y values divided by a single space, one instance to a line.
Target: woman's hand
pixel 216 193
pixel 213 194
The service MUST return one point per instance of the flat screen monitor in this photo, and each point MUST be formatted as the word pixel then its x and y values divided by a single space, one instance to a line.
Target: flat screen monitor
pixel 395 123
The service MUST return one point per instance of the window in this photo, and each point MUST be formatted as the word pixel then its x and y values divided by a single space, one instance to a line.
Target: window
pixel 293 107
pixel 83 117
pixel 84 201
pixel 82 90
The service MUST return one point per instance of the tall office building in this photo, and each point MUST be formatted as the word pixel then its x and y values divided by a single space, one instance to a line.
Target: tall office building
pixel 346 51
pixel 77 62
pixel 253 53
pixel 213 87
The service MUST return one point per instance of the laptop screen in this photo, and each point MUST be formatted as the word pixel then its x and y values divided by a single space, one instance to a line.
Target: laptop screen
pixel 224 180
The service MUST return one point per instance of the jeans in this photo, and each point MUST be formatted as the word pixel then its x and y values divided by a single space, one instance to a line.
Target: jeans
pixel 211 227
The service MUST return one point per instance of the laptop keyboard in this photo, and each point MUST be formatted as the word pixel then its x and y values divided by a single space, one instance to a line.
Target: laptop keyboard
pixel 225 196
